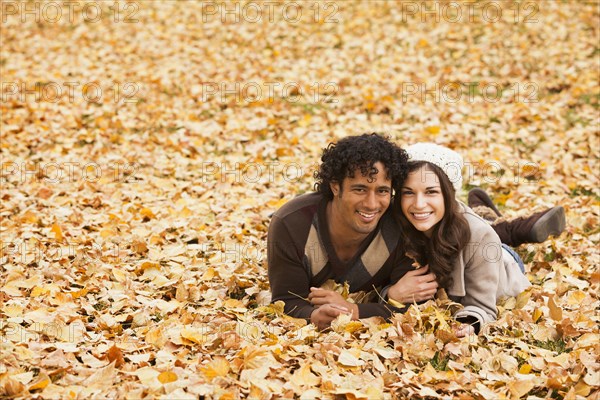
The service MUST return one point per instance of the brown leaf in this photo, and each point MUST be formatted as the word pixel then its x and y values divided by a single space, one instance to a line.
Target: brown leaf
pixel 115 355
pixel 556 313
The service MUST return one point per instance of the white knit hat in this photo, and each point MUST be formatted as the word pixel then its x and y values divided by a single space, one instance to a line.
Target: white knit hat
pixel 448 160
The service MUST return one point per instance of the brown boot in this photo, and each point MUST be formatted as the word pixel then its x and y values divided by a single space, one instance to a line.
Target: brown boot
pixel 483 206
pixel 533 229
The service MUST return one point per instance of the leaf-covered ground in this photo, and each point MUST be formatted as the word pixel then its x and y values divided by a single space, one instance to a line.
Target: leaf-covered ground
pixel 134 218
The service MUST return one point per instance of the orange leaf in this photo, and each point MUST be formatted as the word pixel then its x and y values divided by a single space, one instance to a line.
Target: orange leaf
pixel 167 376
pixel 146 212
pixel 58 235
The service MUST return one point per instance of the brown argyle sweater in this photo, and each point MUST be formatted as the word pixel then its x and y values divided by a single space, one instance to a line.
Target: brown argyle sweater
pixel 300 255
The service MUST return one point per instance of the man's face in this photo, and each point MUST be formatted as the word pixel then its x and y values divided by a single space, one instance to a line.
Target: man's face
pixel 358 204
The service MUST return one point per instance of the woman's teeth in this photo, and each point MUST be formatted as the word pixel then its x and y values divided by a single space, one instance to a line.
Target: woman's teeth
pixel 421 215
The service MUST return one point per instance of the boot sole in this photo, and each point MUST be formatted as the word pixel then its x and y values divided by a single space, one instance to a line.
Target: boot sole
pixel 551 223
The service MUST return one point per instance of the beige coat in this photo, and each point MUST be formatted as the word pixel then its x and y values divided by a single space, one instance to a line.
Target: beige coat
pixel 484 272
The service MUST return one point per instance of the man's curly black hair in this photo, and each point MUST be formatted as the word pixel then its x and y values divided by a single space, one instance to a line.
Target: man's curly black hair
pixel 342 159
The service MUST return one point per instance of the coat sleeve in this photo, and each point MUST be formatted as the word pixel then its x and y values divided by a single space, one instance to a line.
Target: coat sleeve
pixel 483 261
pixel 288 278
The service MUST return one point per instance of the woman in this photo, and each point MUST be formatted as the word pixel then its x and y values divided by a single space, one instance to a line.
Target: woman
pixel 456 245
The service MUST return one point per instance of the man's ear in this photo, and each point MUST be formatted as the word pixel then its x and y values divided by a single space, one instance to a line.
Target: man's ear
pixel 335 188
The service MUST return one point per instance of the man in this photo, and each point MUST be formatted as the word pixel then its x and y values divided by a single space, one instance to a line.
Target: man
pixel 344 231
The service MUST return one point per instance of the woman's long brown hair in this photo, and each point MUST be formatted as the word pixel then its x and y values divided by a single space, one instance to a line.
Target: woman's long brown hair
pixel 449 236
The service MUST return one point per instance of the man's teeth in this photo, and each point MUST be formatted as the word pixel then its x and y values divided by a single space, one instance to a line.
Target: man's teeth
pixel 367 215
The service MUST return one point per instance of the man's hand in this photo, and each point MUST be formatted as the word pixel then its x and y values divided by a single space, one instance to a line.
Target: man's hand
pixel 323 315
pixel 415 286
pixel 319 297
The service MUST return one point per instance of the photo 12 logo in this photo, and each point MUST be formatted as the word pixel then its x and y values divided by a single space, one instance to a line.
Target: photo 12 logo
pixel 470 92
pixel 54 12
pixel 53 92
pixel 469 11
pixel 270 11
pixel 66 171
pixel 252 92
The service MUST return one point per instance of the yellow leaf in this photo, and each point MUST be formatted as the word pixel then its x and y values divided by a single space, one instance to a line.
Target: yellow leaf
pixel 41 383
pixel 576 297
pixel 434 129
pixel 167 376
pixel 522 300
pixel 155 337
pixel 209 274
pixel 395 303
pixel 193 336
pixel 12 310
pixel 181 294
pixel 119 275
pixel 58 235
pixel 587 340
pixel 39 291
pixel 185 212
pixel 275 204
pixel 233 303
pixel 107 232
pixel 217 367
pixel 227 396
pixel 537 314
pixel 283 151
pixel 30 217
pixel 520 388
pixel 353 326
pixel 348 359
pixel 525 369
pixel 305 121
pixel 555 310
pixel 304 377
pixel 79 293
pixel 582 389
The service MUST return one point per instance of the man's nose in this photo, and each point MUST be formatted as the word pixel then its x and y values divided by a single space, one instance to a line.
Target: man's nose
pixel 371 200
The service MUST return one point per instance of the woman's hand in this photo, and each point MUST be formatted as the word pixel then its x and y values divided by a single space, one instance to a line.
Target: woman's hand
pixel 464 330
pixel 319 297
pixel 414 286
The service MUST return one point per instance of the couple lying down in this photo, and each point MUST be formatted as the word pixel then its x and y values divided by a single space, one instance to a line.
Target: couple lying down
pixel 378 211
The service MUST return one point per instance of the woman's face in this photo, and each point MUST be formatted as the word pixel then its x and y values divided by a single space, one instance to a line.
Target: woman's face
pixel 421 200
